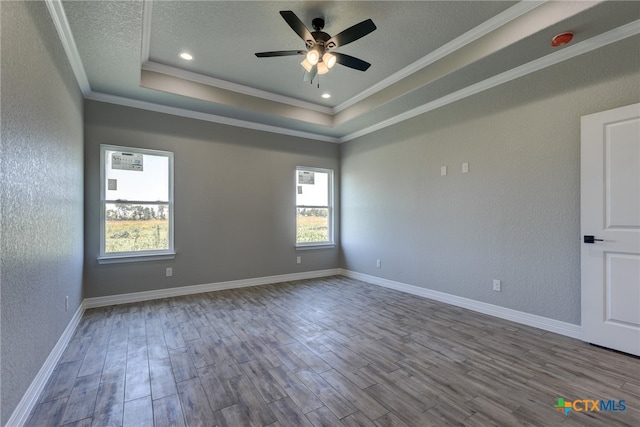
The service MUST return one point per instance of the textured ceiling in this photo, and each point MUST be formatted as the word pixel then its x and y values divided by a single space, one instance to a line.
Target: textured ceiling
pixel 224 36
pixel 423 54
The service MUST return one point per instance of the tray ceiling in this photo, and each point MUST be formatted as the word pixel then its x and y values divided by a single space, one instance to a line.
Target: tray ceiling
pixel 424 54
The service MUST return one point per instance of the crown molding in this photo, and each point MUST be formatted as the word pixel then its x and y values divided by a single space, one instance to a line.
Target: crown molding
pixel 233 87
pixel 208 117
pixel 470 36
pixel 620 33
pixel 568 52
pixel 56 10
pixel 147 6
pixel 61 24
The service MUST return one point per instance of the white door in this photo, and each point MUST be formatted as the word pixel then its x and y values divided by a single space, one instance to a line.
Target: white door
pixel 610 213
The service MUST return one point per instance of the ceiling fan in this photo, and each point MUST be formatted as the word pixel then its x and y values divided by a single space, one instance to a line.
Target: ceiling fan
pixel 319 54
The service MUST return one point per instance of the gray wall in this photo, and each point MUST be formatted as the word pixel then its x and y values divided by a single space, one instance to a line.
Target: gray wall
pixel 234 200
pixel 515 216
pixel 41 195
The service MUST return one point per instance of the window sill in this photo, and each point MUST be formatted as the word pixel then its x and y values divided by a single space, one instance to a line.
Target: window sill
pixel 315 246
pixel 116 259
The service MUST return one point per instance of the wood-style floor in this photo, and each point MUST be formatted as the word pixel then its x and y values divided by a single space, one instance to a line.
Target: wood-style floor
pixel 326 352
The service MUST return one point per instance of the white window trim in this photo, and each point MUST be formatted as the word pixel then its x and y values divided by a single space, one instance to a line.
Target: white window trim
pixel 318 245
pixel 309 246
pixel 135 256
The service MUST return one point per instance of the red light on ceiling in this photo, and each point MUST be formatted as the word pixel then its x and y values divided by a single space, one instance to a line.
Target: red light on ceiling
pixel 561 39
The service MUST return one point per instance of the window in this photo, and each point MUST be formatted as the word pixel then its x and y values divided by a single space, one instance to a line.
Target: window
pixel 314 207
pixel 136 204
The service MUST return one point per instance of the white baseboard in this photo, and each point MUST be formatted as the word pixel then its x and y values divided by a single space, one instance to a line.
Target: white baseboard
pixel 30 398
pixel 540 322
pixel 209 287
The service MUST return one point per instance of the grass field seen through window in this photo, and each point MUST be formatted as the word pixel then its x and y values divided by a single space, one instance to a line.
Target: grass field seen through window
pixel 153 234
pixel 137 235
pixel 312 229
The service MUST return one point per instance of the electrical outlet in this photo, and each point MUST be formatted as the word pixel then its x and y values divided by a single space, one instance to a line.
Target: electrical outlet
pixel 497 285
pixel 299 260
pixel 465 167
pixel 378 263
pixel 169 272
pixel 66 303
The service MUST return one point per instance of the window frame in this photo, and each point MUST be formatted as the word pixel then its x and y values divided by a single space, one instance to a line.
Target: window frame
pixel 330 207
pixel 135 256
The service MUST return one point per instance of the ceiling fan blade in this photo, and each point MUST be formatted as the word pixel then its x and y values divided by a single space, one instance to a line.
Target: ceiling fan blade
pixel 280 53
pixel 351 34
pixel 308 77
pixel 296 25
pixel 351 62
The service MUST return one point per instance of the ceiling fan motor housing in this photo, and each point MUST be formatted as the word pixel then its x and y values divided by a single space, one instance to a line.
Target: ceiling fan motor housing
pixel 321 39
pixel 317 24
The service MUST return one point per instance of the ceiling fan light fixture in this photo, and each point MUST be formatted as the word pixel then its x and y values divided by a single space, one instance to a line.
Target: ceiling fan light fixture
pixel 313 56
pixel 329 59
pixel 307 65
pixel 322 68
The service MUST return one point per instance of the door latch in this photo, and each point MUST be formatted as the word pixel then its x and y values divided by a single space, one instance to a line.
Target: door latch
pixel 592 239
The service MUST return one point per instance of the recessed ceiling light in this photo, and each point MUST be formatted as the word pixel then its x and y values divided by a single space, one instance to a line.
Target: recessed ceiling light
pixel 186 56
pixel 326 95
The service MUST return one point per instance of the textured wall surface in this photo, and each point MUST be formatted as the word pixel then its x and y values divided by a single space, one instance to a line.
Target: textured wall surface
pixel 514 217
pixel 234 200
pixel 41 195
